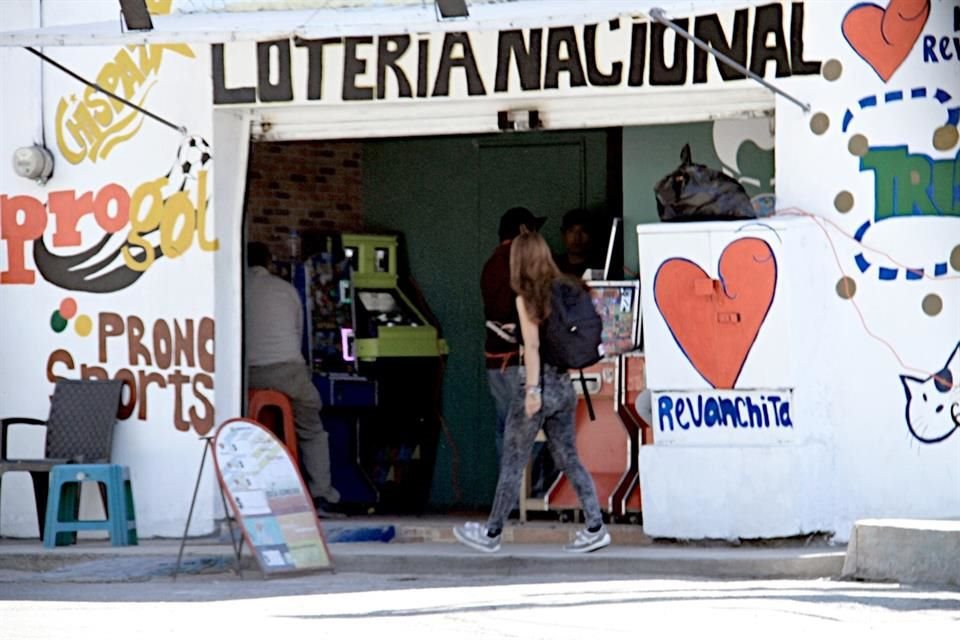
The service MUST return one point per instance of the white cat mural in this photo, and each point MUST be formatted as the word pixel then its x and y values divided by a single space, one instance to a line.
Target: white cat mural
pixel 933 403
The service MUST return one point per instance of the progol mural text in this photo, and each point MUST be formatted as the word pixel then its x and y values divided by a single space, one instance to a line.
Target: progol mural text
pixel 595 55
pixel 152 207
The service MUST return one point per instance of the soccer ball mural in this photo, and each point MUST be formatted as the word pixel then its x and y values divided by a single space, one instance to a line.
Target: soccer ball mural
pixel 119 258
pixel 193 156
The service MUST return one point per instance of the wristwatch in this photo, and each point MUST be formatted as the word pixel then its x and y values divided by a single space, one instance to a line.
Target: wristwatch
pixel 533 391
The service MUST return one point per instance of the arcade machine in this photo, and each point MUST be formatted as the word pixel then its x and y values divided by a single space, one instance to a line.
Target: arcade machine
pixel 378 367
pixel 608 447
pixel 625 500
pixel 323 280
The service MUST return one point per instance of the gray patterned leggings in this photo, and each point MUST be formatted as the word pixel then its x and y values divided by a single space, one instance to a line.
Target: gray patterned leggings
pixel 556 418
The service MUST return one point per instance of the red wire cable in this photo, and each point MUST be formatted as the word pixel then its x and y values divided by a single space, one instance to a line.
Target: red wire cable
pixel 819 220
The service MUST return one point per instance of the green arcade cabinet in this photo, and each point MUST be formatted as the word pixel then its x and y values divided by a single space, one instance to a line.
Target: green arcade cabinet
pixel 382 398
pixel 385 323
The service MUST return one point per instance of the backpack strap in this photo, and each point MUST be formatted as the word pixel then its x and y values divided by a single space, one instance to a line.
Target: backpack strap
pixel 586 397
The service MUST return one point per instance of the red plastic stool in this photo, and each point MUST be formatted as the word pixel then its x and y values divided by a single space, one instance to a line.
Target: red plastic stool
pixel 264 405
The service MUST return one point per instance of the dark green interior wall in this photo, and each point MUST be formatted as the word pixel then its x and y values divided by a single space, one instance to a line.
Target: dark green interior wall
pixel 649 153
pixel 429 189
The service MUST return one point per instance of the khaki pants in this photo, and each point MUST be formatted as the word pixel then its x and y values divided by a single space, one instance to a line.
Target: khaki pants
pixel 294 380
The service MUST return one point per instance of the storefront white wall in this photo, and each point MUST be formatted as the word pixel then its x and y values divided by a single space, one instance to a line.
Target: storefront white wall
pixel 110 159
pixel 858 347
pixel 861 459
pixel 875 413
pixel 21 128
pixel 712 473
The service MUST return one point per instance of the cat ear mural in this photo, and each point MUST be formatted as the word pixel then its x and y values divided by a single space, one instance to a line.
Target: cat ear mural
pixel 933 403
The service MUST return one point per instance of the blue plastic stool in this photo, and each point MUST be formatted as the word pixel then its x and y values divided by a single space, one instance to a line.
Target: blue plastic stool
pixel 63 504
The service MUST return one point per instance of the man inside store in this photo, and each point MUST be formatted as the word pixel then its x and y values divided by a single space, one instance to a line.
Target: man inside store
pixel 273 328
pixel 579 252
pixel 501 346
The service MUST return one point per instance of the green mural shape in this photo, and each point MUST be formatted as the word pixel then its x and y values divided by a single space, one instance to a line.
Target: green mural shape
pixel 57 322
pixel 911 184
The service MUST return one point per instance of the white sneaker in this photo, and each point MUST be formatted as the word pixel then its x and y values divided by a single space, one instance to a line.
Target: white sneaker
pixel 474 535
pixel 586 541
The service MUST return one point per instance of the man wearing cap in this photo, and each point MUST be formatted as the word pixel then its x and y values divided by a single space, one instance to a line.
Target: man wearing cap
pixel 501 347
pixel 576 232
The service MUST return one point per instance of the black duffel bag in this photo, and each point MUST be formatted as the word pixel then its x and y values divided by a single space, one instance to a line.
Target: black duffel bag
pixel 695 192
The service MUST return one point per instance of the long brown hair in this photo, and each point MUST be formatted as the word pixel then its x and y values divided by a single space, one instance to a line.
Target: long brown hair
pixel 532 270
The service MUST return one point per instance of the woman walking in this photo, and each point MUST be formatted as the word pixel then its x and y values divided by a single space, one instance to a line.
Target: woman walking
pixel 543 399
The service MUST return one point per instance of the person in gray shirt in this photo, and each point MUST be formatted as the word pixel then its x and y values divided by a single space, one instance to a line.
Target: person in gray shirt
pixel 273 330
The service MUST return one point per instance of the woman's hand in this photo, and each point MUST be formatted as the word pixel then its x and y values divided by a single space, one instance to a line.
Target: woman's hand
pixel 532 404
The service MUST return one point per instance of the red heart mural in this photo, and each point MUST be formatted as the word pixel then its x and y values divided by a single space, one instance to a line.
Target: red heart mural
pixel 716 322
pixel 884 38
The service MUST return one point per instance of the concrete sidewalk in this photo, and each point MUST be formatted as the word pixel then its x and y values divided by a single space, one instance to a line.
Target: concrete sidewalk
pixel 426 547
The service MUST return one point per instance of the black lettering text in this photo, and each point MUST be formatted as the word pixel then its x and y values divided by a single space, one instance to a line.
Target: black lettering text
pixel 511 45
pixel 660 73
pixel 221 93
pixel 769 20
pixel 467 62
pixel 594 75
pixel 352 67
pixel 570 62
pixel 282 89
pixel 315 64
pixel 799 66
pixel 638 54
pixel 708 29
pixel 389 49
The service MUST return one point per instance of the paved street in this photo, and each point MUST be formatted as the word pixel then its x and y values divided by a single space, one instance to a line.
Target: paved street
pixel 363 606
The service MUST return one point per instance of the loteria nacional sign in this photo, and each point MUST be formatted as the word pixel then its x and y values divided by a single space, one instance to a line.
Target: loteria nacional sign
pixel 619 54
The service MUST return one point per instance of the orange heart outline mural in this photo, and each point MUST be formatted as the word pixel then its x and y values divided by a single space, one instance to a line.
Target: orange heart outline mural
pixel 885 37
pixel 716 322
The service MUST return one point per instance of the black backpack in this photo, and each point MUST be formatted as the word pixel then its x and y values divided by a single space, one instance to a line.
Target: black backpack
pixel 696 192
pixel 572 333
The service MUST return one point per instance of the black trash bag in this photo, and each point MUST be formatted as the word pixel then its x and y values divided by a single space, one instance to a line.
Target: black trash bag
pixel 695 192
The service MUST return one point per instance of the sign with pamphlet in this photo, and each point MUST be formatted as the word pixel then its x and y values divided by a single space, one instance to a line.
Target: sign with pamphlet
pixel 269 499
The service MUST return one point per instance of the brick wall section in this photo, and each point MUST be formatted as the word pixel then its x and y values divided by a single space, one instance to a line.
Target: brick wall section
pixel 306 186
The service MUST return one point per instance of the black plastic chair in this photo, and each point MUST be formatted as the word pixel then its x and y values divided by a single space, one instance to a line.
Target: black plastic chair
pixel 79 430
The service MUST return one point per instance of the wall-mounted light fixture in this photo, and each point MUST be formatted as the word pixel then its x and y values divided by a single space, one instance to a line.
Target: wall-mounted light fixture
pixel 528 120
pixel 135 15
pixel 447 9
pixel 34 163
